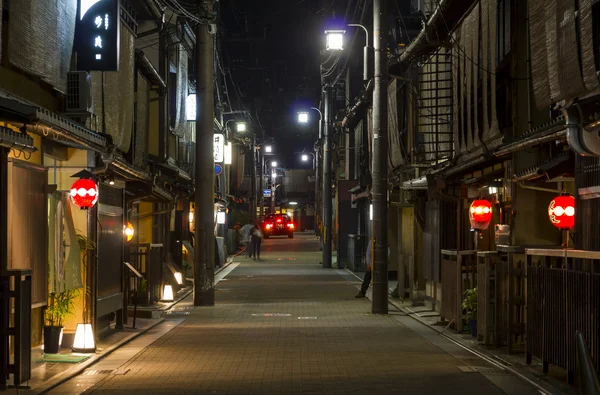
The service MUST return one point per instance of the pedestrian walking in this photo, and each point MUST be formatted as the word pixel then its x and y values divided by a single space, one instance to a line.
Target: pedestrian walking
pixel 246 235
pixel 369 272
pixel 256 238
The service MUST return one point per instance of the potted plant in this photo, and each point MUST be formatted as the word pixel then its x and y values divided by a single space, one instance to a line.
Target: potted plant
pixel 60 306
pixel 469 306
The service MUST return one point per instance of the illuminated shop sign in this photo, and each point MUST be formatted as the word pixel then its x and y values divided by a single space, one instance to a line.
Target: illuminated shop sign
pixel 219 148
pixel 97 35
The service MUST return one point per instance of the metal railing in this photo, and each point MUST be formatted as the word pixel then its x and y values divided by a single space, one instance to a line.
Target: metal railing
pixel 563 298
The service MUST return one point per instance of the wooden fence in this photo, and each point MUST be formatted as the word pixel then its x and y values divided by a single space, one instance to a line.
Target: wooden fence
pixel 563 297
pixel 501 297
pixel 459 273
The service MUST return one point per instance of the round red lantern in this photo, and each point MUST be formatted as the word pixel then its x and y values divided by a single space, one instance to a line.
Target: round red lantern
pixel 480 214
pixel 84 193
pixel 561 212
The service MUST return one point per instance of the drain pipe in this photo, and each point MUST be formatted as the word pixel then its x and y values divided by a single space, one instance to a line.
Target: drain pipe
pixel 525 186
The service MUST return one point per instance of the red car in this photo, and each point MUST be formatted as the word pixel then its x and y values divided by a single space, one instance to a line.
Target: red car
pixel 278 225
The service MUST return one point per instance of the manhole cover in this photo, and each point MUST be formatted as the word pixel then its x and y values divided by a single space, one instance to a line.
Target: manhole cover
pixel 271 315
pixel 478 369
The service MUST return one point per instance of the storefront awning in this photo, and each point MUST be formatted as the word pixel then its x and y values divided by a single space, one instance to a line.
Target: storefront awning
pixel 44 122
pixel 20 141
pixel 559 165
pixel 550 131
pixel 126 169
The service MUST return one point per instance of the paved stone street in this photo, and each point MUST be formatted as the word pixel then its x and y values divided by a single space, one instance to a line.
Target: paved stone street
pixel 285 325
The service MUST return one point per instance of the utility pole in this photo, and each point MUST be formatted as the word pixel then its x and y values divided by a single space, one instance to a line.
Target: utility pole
pixel 380 156
pixel 204 256
pixel 252 213
pixel 318 176
pixel 261 160
pixel 327 214
pixel 273 189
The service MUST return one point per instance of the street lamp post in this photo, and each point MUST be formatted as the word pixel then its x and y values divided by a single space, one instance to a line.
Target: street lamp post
pixel 318 175
pixel 367 54
pixel 327 214
pixel 305 158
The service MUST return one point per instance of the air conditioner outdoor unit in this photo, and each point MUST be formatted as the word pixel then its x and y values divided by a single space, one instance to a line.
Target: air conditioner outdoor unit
pixel 79 93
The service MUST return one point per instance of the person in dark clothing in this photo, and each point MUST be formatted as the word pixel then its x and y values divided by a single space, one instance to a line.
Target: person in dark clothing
pixel 368 274
pixel 256 237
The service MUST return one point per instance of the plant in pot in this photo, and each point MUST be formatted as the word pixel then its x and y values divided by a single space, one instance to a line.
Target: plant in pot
pixel 60 306
pixel 469 306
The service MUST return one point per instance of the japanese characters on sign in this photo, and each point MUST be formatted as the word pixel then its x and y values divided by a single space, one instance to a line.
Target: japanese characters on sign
pixel 219 147
pixel 97 35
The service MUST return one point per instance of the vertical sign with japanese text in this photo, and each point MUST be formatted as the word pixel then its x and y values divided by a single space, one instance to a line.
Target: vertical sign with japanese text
pixel 219 147
pixel 97 35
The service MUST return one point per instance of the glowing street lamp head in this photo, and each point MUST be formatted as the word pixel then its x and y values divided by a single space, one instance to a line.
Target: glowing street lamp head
pixel 268 149
pixel 241 127
pixel 304 158
pixel 273 175
pixel 335 40
pixel 302 117
pixel 273 164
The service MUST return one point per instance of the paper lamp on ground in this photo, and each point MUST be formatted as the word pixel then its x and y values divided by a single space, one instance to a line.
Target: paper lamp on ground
pixel 84 193
pixel 84 339
pixel 561 212
pixel 168 293
pixel 480 214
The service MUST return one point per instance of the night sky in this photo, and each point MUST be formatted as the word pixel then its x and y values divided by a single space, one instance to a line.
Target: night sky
pixel 272 49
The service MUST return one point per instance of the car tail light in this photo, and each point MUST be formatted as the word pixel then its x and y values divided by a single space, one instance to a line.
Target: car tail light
pixel 290 225
pixel 269 226
pixel 278 221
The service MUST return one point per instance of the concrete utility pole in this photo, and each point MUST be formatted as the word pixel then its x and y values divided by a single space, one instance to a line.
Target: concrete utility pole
pixel 261 160
pixel 273 189
pixel 318 176
pixel 380 157
pixel 252 214
pixel 327 214
pixel 204 255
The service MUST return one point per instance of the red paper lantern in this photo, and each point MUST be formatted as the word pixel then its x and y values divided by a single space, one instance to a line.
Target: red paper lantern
pixel 480 214
pixel 561 212
pixel 84 193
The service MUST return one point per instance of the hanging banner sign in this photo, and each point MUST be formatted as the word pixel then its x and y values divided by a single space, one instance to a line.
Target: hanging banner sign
pixel 97 35
pixel 219 147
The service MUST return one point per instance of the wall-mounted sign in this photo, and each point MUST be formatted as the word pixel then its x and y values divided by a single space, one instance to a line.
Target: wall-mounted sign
pixel 219 147
pixel 190 107
pixel 97 35
pixel 266 193
pixel 218 169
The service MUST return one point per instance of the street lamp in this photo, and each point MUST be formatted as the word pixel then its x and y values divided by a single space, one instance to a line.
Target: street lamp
pixel 335 40
pixel 273 164
pixel 268 149
pixel 273 175
pixel 303 117
pixel 240 126
pixel 305 158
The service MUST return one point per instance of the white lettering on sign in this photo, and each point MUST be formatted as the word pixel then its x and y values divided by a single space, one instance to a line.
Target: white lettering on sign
pixel 106 22
pixel 219 147
pixel 98 21
pixel 98 42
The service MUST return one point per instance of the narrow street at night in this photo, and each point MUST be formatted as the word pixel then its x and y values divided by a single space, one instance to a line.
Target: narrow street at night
pixel 283 325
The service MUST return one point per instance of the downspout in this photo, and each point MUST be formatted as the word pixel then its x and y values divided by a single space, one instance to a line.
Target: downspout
pixel 525 186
